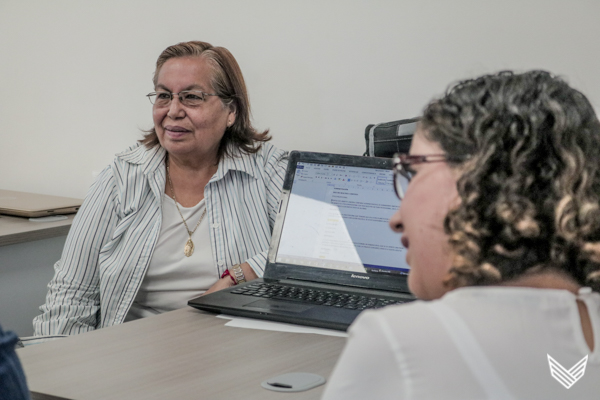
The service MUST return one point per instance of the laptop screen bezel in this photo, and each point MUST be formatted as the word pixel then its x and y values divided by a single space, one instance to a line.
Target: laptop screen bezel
pixel 282 271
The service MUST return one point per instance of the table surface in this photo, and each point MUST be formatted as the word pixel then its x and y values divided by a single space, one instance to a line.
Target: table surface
pixel 183 354
pixel 19 229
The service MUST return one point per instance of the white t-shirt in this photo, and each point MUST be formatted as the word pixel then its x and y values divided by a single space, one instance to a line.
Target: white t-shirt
pixel 172 278
pixel 414 351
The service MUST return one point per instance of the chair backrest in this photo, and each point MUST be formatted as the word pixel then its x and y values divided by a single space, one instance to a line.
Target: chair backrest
pixel 388 138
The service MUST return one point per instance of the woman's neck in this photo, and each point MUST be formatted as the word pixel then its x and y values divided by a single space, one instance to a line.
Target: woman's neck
pixel 192 163
pixel 558 280
pixel 188 180
pixel 545 280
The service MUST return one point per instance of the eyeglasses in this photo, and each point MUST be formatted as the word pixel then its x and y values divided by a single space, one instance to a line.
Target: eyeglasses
pixel 403 173
pixel 189 98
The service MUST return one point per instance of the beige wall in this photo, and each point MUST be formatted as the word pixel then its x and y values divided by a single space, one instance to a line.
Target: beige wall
pixel 74 73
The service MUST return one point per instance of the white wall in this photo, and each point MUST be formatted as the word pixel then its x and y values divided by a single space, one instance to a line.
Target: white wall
pixel 74 73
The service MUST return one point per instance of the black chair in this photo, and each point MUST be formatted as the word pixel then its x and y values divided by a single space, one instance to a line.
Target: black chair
pixel 388 138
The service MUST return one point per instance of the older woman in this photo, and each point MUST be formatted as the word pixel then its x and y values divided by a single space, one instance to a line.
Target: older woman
pixel 501 222
pixel 188 211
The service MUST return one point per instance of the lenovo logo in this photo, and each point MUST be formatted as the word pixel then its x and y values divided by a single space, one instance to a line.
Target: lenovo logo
pixel 359 276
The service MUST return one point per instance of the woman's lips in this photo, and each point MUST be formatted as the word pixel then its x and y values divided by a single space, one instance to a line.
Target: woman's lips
pixel 175 131
pixel 404 241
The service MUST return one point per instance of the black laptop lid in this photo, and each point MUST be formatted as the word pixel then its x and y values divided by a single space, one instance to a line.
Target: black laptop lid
pixel 332 225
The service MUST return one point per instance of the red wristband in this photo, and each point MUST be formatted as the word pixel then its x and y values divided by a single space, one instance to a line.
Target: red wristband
pixel 226 273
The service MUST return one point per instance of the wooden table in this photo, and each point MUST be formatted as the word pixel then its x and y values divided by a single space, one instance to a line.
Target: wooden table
pixel 183 354
pixel 15 230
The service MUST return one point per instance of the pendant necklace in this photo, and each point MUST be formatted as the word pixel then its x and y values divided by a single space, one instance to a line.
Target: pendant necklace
pixel 189 246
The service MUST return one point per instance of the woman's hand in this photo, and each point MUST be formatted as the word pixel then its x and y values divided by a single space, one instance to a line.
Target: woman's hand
pixel 248 272
pixel 226 281
pixel 221 284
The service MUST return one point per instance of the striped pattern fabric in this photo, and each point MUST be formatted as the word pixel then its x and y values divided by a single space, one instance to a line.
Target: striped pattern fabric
pixel 111 241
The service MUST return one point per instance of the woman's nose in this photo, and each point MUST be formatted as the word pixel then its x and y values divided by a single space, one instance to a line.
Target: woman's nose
pixel 396 221
pixel 176 108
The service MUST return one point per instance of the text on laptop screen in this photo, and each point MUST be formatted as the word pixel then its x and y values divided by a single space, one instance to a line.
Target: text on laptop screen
pixel 337 217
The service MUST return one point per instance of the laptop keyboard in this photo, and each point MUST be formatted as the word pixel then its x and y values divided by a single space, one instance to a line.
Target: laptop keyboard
pixel 315 296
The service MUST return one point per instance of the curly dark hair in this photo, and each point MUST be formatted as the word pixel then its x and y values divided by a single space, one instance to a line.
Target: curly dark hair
pixel 530 191
pixel 227 82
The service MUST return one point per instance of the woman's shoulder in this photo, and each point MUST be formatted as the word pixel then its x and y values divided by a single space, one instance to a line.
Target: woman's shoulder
pixel 141 155
pixel 267 158
pixel 132 163
pixel 267 153
pixel 522 298
pixel 509 310
pixel 465 302
pixel 270 150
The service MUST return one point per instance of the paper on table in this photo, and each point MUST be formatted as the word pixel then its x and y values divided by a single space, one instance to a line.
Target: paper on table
pixel 49 218
pixel 250 323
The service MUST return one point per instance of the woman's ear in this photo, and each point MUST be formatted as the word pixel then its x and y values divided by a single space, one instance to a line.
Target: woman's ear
pixel 232 115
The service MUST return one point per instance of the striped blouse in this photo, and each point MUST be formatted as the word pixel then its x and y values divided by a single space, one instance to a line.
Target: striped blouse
pixel 111 241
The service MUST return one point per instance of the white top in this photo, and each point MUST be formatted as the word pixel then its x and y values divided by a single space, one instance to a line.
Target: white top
pixel 474 343
pixel 172 278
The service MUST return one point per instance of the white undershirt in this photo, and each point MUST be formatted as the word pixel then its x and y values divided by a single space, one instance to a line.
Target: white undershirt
pixel 172 278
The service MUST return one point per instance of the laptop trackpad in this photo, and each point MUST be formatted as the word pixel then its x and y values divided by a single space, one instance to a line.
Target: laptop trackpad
pixel 273 305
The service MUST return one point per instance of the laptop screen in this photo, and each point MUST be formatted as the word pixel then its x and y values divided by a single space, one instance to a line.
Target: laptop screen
pixel 337 218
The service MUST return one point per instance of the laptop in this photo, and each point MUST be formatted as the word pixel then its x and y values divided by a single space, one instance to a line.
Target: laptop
pixel 22 204
pixel 332 253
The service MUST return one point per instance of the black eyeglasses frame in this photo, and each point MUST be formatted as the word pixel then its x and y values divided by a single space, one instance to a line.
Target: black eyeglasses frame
pixel 402 162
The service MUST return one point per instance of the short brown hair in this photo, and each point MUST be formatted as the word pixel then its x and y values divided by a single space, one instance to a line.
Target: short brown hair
pixel 228 83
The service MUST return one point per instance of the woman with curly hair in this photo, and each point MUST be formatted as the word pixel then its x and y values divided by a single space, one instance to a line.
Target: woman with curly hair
pixel 501 222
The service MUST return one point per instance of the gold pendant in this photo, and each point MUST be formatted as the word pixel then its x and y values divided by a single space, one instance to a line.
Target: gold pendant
pixel 189 248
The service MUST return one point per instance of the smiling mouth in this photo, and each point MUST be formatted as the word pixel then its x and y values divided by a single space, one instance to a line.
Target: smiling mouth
pixel 176 129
